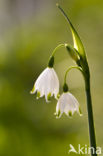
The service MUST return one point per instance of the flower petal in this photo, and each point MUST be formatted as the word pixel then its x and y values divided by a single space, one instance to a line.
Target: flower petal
pixel 33 90
pixel 67 104
pixel 47 83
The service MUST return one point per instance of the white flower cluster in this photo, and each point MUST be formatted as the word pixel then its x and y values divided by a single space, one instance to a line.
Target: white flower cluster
pixel 47 85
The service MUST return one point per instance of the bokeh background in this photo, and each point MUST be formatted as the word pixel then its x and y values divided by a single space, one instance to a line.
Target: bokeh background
pixel 29 31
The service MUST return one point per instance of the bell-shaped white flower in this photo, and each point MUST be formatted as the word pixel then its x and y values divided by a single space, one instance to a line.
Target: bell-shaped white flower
pixel 67 104
pixel 47 84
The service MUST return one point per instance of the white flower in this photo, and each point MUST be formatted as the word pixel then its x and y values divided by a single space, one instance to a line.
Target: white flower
pixel 47 84
pixel 67 104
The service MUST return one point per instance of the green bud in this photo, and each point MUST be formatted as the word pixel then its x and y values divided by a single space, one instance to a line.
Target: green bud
pixel 73 53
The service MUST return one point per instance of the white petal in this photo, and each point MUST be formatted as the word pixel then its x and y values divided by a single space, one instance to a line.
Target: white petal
pixel 55 84
pixel 33 91
pixel 47 83
pixel 68 104
pixel 72 103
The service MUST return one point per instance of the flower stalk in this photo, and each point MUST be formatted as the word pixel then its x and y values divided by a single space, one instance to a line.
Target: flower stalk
pixel 51 59
pixel 90 117
pixel 72 67
pixel 47 84
pixel 83 64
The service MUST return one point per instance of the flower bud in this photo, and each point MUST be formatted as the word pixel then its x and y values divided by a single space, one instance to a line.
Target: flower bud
pixel 73 53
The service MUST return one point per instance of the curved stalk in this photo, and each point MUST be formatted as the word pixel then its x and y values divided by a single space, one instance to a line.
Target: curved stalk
pixel 72 67
pixel 58 47
pixel 51 59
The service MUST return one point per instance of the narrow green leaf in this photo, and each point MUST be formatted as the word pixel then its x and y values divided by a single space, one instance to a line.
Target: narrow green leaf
pixel 76 39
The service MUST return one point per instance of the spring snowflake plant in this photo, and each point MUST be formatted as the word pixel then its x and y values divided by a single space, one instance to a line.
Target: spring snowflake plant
pixel 47 84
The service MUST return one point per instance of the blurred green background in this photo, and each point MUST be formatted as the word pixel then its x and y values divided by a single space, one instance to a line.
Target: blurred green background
pixel 29 31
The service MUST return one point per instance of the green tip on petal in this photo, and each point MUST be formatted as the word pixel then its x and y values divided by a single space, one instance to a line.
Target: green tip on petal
pixel 58 96
pixel 58 114
pixel 33 90
pixel 70 114
pixel 48 96
pixel 80 112
pixel 38 95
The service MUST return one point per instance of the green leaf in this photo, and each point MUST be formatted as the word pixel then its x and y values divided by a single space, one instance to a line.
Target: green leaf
pixel 76 39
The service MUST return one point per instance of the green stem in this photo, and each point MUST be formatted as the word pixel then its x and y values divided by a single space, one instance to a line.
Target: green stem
pixel 72 67
pixel 89 108
pixel 90 118
pixel 58 47
pixel 51 59
pixel 86 73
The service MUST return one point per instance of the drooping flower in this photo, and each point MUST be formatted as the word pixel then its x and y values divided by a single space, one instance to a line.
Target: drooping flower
pixel 47 84
pixel 67 104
